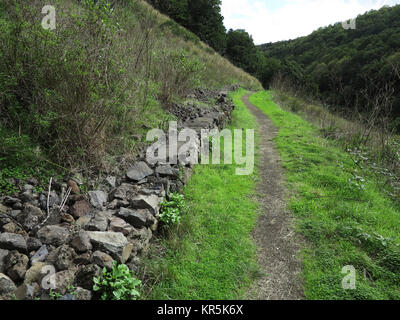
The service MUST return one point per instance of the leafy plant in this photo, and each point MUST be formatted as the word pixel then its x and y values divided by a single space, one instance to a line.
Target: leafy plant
pixel 54 295
pixel 171 210
pixel 117 284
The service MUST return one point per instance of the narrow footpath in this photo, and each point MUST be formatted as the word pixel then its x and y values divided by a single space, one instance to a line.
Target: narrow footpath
pixel 277 246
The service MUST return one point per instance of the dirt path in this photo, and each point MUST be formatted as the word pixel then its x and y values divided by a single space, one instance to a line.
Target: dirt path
pixel 277 247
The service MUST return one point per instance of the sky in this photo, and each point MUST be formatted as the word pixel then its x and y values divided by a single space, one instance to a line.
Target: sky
pixel 275 20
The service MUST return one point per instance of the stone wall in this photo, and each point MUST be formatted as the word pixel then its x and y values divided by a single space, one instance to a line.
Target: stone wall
pixel 114 222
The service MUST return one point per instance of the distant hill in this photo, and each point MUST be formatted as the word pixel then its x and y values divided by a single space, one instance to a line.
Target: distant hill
pixel 336 64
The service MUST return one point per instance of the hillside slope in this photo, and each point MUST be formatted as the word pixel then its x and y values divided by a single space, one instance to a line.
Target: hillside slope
pixel 345 67
pixel 83 94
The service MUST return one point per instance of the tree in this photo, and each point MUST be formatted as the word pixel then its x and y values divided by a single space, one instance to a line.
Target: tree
pixel 207 22
pixel 242 52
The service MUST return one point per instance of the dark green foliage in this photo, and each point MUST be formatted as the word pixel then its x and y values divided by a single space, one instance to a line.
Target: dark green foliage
pixel 117 284
pixel 242 52
pixel 203 17
pixel 337 65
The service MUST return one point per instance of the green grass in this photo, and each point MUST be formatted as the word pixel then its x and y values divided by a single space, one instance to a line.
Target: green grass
pixel 211 255
pixel 344 221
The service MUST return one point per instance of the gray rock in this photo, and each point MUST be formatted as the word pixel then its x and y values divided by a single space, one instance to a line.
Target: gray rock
pixel 53 200
pixel 9 201
pixel 18 206
pixel 12 241
pixel 111 181
pixel 27 196
pixel 3 254
pixel 117 203
pixel 63 280
pixel 83 294
pixel 26 291
pixel 120 225
pixel 33 244
pixel 151 202
pixel 30 217
pixel 80 208
pixel 84 258
pixel 10 227
pixel 36 273
pixel 83 221
pixel 85 275
pixel 3 208
pixel 97 199
pixel 4 219
pixel 16 264
pixel 139 171
pixel 138 218
pixel 113 243
pixel 68 297
pixel 15 214
pixel 81 242
pixel 102 260
pixel 40 255
pixel 99 222
pixel 7 287
pixel 123 191
pixel 166 171
pixel 54 235
pixel 27 187
pixel 141 239
pixel 63 257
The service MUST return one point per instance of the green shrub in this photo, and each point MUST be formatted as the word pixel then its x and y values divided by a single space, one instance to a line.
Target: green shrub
pixel 178 72
pixel 118 284
pixel 171 210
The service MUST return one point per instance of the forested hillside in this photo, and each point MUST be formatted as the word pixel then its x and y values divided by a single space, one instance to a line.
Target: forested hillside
pixel 346 68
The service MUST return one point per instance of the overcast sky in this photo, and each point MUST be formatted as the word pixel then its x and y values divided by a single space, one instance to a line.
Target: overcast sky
pixel 275 20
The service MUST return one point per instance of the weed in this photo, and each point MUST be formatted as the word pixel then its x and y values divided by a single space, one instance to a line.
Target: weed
pixel 117 284
pixel 171 211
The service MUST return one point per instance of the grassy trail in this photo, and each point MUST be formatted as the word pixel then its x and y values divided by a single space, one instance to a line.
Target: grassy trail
pixel 344 217
pixel 212 255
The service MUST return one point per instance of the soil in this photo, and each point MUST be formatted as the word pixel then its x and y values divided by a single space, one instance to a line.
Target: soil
pixel 276 241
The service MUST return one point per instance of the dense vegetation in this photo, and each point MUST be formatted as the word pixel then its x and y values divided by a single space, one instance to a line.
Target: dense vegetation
pixel 353 69
pixel 350 70
pixel 78 95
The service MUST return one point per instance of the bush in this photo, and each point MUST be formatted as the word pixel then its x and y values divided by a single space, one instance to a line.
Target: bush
pixel 118 284
pixel 171 210
pixel 81 91
pixel 178 72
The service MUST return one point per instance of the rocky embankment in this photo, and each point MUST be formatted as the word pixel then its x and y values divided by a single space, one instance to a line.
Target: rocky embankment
pixel 45 239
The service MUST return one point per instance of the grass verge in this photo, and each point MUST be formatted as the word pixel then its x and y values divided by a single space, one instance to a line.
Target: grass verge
pixel 340 211
pixel 211 254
